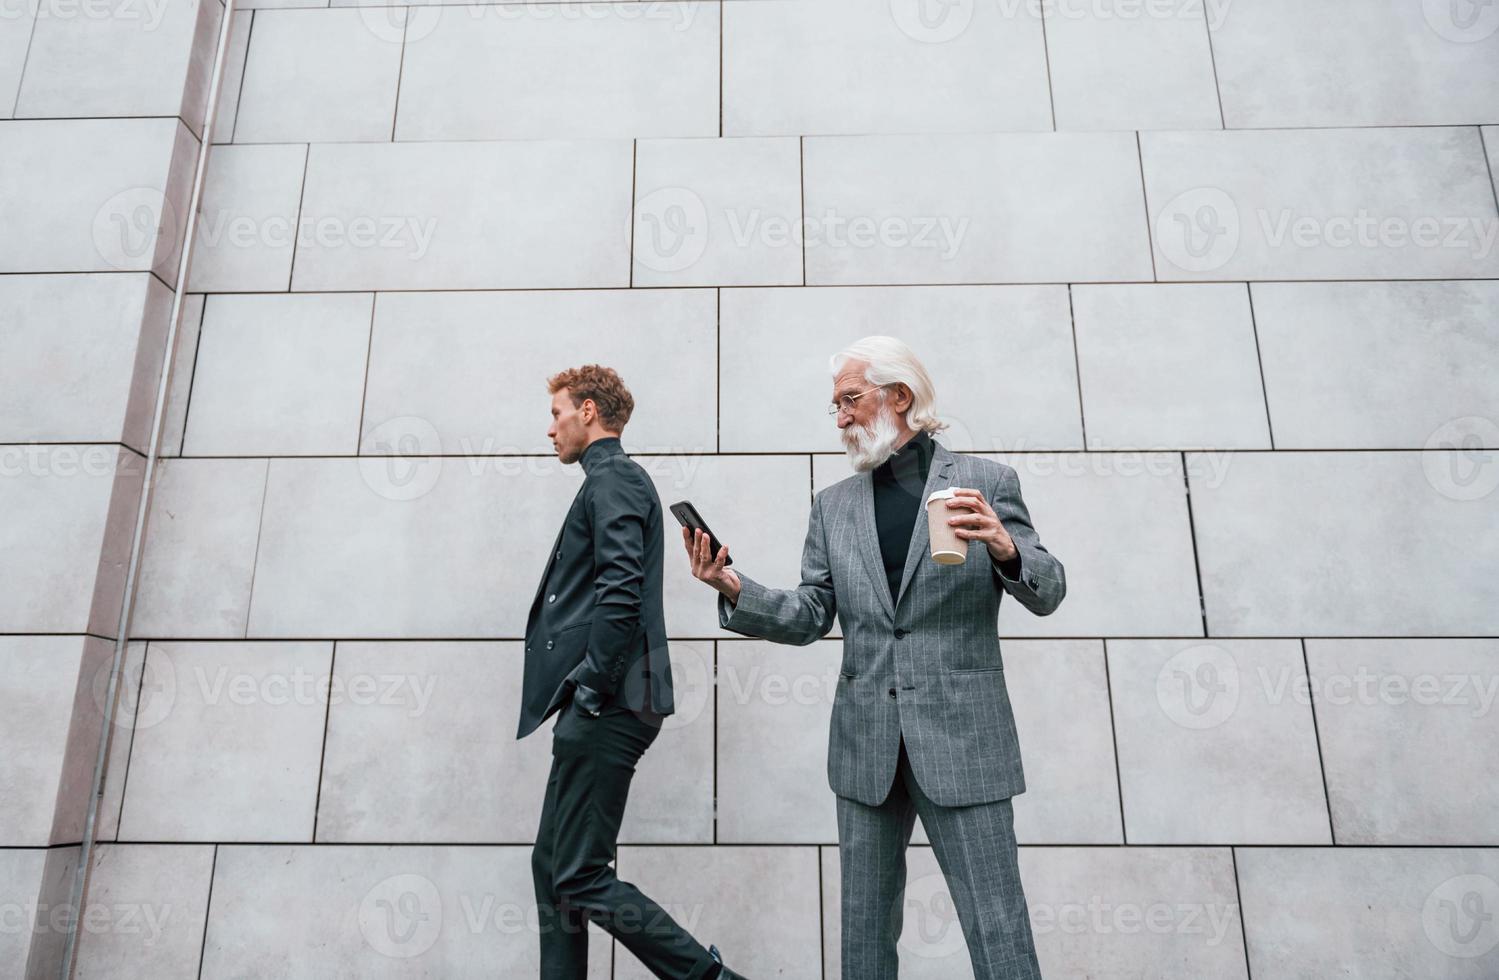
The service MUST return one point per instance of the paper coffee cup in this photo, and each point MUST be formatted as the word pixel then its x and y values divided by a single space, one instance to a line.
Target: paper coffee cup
pixel 947 547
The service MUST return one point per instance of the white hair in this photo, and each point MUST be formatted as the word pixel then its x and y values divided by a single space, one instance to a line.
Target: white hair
pixel 887 361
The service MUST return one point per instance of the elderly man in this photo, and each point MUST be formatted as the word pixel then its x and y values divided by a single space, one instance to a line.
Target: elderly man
pixel 921 719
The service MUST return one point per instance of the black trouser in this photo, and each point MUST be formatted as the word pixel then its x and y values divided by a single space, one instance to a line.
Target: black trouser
pixel 593 760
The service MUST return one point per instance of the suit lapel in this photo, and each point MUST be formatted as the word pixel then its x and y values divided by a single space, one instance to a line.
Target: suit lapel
pixel 939 477
pixel 869 537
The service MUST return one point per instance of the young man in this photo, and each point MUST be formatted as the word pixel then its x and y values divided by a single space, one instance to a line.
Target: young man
pixel 596 650
pixel 921 719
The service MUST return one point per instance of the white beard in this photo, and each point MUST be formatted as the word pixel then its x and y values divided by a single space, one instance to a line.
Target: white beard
pixel 871 446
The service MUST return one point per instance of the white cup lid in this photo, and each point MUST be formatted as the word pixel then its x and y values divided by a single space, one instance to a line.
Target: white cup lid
pixel 942 494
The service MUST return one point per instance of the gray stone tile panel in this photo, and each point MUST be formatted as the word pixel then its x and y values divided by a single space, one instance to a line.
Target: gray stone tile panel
pixel 1307 204
pixel 319 76
pixel 711 212
pixel 1370 911
pixel 1217 743
pixel 279 375
pixel 1354 63
pixel 1001 359
pixel 465 215
pixel 233 754
pixel 1341 360
pixel 1169 366
pixel 1148 66
pixel 979 208
pixel 841 66
pixel 535 71
pixel 1408 738
pixel 436 357
pixel 1305 543
pixel 198 563
pixel 150 907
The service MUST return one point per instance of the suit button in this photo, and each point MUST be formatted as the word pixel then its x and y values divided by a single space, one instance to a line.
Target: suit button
pixel 559 554
pixel 549 644
pixel 552 597
pixel 892 692
pixel 900 634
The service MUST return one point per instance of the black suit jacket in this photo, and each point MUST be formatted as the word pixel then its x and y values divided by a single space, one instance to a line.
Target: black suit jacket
pixel 597 618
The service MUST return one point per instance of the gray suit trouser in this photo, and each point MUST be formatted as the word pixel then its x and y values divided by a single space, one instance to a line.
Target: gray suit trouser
pixel 975 848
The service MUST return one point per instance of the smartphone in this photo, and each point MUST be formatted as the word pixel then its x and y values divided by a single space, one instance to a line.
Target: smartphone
pixel 691 519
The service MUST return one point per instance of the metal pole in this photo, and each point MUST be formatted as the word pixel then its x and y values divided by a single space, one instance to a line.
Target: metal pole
pixel 122 632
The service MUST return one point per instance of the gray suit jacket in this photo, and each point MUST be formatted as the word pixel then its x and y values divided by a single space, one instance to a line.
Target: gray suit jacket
pixel 927 665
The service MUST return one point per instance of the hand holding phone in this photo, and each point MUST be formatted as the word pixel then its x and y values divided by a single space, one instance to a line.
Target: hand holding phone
pixel 689 518
pixel 699 538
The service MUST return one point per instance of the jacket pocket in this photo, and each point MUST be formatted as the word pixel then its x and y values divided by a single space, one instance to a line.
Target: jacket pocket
pixel 573 626
pixel 976 670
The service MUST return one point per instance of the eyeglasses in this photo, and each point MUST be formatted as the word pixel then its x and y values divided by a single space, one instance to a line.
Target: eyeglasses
pixel 845 403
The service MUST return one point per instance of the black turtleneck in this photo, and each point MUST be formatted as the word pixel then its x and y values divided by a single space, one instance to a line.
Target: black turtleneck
pixel 898 483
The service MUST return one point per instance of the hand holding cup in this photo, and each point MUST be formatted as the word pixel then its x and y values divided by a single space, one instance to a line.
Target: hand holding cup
pixel 972 519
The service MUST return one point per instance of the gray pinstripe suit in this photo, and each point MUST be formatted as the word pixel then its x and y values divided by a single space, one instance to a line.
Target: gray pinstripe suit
pixel 922 675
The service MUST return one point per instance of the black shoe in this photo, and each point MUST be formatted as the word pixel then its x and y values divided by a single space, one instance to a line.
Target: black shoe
pixel 724 973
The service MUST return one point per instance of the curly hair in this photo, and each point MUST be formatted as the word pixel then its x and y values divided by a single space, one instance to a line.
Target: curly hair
pixel 603 385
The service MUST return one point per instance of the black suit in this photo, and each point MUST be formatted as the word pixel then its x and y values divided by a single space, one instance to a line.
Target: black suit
pixel 597 618
pixel 596 630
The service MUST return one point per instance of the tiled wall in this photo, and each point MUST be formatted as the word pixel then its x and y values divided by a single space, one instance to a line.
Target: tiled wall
pixel 102 109
pixel 1222 284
